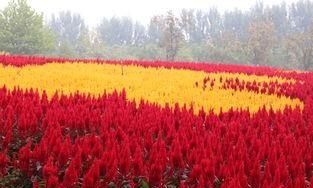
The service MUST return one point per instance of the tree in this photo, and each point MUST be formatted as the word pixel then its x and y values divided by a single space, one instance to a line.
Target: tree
pixel 83 47
pixel 231 48
pixel 202 27
pixel 71 33
pixel 126 31
pixel 65 49
pixel 300 15
pixel 257 12
pixel 188 24
pixel 236 22
pixel 22 30
pixel 279 15
pixel 155 29
pixel 215 23
pixel 67 26
pixel 260 41
pixel 116 31
pixel 172 36
pixel 140 35
pixel 301 46
pixel 150 51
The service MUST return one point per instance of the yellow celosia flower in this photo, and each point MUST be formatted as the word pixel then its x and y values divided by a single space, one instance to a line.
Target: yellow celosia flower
pixel 158 85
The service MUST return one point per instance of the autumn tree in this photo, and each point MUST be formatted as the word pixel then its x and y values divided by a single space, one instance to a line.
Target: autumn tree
pixel 155 29
pixel 300 45
pixel 260 41
pixel 172 36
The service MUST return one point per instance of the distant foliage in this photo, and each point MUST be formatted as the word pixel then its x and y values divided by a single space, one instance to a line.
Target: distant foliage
pixel 275 35
pixel 22 30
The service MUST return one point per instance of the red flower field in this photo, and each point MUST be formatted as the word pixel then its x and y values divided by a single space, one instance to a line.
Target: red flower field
pixel 83 140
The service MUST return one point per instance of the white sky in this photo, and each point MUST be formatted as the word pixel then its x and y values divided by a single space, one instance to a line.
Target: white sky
pixel 94 10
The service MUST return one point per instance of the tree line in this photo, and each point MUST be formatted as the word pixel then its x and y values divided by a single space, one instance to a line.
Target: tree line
pixel 279 35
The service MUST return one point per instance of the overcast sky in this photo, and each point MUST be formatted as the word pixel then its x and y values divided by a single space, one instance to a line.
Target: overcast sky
pixel 94 10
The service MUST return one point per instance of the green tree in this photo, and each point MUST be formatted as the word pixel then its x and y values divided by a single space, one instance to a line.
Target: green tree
pixel 83 47
pixel 152 51
pixel 22 30
pixel 184 54
pixel 139 36
pixel 72 35
pixel 117 31
pixel 231 48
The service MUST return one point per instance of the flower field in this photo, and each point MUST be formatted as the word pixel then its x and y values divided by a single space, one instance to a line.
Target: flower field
pixel 95 123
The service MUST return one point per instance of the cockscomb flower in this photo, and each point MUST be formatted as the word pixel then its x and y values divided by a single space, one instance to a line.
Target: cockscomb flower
pixel 71 176
pixel 3 164
pixel 52 182
pixel 91 178
pixel 49 169
pixel 176 155
pixel 24 159
pixel 109 138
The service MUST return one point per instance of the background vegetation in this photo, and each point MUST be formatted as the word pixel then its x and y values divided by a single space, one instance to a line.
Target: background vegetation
pixel 280 35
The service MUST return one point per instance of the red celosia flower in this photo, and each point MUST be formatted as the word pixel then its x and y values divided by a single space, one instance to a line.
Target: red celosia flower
pixel 124 159
pixel 3 164
pixel 311 182
pixel 65 152
pixel 113 136
pixel 156 173
pixel 49 169
pixel 53 182
pixel 71 176
pixel 176 155
pixel 91 178
pixel 138 165
pixel 24 157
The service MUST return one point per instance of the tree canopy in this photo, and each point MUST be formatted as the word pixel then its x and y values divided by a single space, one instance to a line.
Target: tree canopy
pixel 22 30
pixel 278 35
